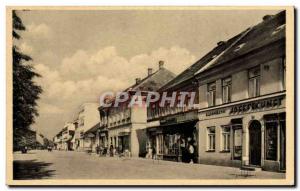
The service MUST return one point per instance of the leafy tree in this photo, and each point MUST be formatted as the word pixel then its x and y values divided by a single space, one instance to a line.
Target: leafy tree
pixel 25 91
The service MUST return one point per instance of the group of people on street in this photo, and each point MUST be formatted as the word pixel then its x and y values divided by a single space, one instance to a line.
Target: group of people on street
pixel 184 148
pixel 102 151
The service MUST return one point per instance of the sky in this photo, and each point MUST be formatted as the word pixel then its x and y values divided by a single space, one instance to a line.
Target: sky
pixel 81 54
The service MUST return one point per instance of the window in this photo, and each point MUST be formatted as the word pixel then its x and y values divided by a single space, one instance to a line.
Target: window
pixel 283 73
pixel 254 82
pixel 271 140
pixel 225 138
pixel 237 142
pixel 211 94
pixel 211 133
pixel 226 90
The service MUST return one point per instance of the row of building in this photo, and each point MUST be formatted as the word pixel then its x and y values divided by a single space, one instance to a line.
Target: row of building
pixel 238 118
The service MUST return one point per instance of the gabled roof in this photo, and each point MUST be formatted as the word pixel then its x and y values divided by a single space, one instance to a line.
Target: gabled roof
pixel 190 72
pixel 266 32
pixel 93 129
pixel 153 81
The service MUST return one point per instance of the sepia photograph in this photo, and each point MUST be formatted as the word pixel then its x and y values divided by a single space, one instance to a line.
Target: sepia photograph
pixel 150 96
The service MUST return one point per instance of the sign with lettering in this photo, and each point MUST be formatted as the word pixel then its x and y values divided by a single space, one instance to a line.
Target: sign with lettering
pixel 215 112
pixel 179 118
pixel 256 105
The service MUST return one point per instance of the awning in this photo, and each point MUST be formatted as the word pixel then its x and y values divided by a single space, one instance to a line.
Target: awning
pixel 89 135
pixel 92 129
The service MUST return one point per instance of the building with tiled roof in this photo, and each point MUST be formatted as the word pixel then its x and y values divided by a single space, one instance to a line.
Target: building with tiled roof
pixel 238 116
pixel 123 127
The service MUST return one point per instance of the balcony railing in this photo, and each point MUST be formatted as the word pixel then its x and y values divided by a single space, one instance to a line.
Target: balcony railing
pixel 119 118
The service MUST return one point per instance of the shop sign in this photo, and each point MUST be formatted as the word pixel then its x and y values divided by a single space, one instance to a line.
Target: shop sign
pixel 215 112
pixel 179 118
pixel 256 105
pixel 168 121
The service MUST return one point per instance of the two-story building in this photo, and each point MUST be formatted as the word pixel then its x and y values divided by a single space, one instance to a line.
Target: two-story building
pixel 242 100
pixel 238 117
pixel 172 129
pixel 123 127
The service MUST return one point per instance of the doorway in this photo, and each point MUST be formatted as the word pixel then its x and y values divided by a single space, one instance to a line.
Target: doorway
pixel 255 143
pixel 282 146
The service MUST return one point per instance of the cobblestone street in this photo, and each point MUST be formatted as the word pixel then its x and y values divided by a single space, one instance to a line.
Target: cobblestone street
pixel 79 165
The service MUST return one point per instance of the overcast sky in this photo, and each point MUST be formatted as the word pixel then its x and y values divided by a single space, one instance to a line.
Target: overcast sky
pixel 83 53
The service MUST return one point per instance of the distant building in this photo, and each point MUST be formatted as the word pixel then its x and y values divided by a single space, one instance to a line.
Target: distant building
pixel 67 136
pixel 57 141
pixel 87 119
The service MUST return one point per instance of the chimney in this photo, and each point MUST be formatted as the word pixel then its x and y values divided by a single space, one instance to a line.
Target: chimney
pixel 149 71
pixel 161 64
pixel 137 80
pixel 267 17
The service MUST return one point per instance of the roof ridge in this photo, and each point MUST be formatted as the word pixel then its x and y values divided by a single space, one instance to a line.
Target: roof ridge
pixel 213 61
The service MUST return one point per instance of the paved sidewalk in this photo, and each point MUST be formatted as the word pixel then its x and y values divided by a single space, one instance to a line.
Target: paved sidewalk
pixel 80 165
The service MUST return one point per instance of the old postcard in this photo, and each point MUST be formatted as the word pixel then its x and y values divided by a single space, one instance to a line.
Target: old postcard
pixel 150 96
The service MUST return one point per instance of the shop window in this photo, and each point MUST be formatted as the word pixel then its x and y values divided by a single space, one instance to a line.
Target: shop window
pixel 226 90
pixel 211 135
pixel 211 94
pixel 271 140
pixel 225 138
pixel 254 82
pixel 171 146
pixel 237 142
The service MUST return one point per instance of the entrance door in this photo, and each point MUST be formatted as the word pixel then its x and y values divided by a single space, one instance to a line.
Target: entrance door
pixel 255 143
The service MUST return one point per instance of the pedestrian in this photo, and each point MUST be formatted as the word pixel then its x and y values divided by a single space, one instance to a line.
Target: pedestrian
pixel 154 156
pixel 191 151
pixel 183 150
pixel 97 149
pixel 111 151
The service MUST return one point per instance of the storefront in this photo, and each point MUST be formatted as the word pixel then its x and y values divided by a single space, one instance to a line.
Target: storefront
pixel 245 133
pixel 119 139
pixel 176 138
pixel 124 142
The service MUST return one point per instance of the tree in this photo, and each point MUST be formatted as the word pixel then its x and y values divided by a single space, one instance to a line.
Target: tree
pixel 25 91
